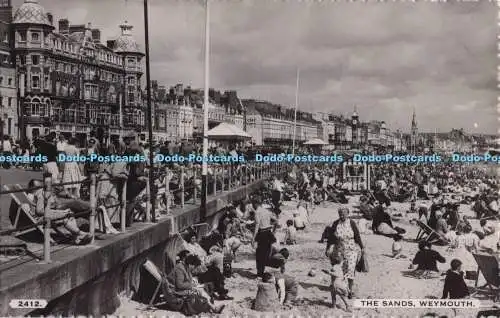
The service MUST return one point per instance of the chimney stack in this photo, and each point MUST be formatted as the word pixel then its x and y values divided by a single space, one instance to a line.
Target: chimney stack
pixel 63 26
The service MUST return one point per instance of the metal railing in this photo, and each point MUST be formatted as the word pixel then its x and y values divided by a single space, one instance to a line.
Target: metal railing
pixel 222 178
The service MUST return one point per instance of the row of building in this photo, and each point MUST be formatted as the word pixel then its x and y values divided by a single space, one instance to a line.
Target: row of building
pixel 56 76
pixel 178 114
pixel 66 79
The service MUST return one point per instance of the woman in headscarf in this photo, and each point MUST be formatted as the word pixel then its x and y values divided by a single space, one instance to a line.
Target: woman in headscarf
pixel 344 239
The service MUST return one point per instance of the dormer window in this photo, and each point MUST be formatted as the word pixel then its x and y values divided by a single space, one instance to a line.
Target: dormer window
pixel 35 36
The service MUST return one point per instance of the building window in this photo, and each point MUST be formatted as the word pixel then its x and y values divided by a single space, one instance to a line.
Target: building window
pixel 9 81
pixel 22 36
pixel 9 126
pixel 35 36
pixel 1 80
pixel 35 59
pixel 46 82
pixel 131 97
pixel 9 102
pixel 35 81
pixel 1 101
pixel 131 61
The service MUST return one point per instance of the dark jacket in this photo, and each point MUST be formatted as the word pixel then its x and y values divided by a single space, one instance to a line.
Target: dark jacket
pixel 333 239
pixel 454 286
pixel 379 217
pixel 427 260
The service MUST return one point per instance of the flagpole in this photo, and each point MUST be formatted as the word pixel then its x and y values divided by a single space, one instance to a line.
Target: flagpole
pixel 203 207
pixel 295 113
pixel 150 115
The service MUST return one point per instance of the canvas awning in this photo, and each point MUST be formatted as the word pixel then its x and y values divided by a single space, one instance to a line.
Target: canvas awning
pixel 227 131
pixel 315 142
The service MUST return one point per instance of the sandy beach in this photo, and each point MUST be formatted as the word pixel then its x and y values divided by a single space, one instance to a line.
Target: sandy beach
pixel 384 280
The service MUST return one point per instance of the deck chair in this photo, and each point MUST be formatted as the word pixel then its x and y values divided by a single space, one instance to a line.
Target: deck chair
pixel 19 215
pixel 426 233
pixel 488 266
pixel 151 268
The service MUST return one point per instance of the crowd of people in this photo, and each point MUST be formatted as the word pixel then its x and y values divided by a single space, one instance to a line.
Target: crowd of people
pixel 434 197
pixel 204 263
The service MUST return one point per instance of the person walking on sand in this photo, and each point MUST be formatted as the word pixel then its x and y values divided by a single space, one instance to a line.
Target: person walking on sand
pixel 339 285
pixel 263 235
pixel 344 237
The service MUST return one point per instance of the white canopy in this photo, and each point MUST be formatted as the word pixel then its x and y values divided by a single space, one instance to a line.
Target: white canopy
pixel 315 142
pixel 226 130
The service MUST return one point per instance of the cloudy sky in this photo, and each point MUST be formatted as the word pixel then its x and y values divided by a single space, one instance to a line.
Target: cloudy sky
pixel 386 58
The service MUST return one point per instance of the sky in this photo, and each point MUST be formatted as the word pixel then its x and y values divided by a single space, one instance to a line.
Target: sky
pixel 387 59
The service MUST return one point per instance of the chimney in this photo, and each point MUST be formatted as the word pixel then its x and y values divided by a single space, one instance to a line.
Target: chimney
pixel 96 35
pixel 63 26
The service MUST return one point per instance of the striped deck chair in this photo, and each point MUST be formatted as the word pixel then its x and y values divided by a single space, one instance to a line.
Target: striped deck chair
pixel 426 233
pixel 488 266
pixel 20 214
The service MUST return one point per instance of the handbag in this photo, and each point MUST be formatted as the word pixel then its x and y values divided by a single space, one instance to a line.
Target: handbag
pixel 362 265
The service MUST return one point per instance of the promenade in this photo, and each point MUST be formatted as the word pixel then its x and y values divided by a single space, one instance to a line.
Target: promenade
pixel 87 279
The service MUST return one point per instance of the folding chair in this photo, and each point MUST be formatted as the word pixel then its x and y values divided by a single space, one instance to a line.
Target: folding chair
pixel 488 266
pixel 19 215
pixel 426 233
pixel 151 268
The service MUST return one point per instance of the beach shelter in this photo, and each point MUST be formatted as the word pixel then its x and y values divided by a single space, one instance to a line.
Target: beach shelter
pixel 315 142
pixel 227 131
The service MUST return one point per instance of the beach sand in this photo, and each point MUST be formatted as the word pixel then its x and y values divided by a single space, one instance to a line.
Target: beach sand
pixel 384 279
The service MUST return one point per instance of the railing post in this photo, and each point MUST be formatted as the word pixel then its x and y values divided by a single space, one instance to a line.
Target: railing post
pixel 182 187
pixel 167 189
pixel 242 173
pixel 148 198
pixel 123 211
pixel 223 173
pixel 215 180
pixel 195 192
pixel 93 205
pixel 47 187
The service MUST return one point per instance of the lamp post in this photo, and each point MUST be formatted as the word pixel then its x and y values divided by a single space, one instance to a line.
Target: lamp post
pixel 150 115
pixel 203 208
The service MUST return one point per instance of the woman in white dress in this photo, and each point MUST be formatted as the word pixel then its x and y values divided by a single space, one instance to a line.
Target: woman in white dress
pixel 463 246
pixel 71 172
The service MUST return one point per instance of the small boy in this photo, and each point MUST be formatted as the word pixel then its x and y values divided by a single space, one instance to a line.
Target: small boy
pixel 397 248
pixel 298 222
pixel 290 233
pixel 454 283
pixel 339 286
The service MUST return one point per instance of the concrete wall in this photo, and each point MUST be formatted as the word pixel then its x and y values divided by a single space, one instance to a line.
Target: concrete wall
pixel 87 280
